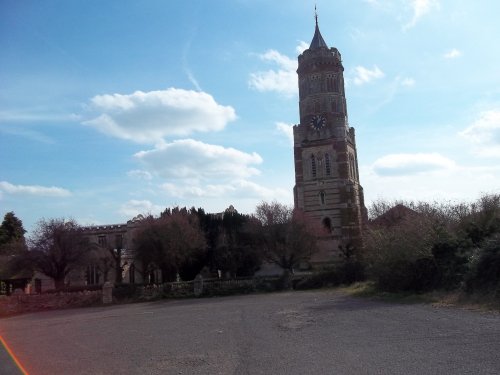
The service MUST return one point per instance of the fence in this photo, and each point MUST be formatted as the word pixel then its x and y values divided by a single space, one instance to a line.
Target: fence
pixel 195 288
pixel 20 303
pixel 213 287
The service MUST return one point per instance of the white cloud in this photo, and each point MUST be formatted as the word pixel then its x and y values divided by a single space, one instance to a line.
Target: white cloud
pixel 139 174
pixel 194 160
pixel 239 188
pixel 133 207
pixel 36 115
pixel 419 9
pixel 301 47
pixel 410 164
pixel 37 190
pixel 452 54
pixel 192 78
pixel 484 134
pixel 149 117
pixel 286 129
pixel 408 82
pixel 283 80
pixel 364 75
pixel 30 134
pixel 404 9
pixel 198 173
pixel 457 184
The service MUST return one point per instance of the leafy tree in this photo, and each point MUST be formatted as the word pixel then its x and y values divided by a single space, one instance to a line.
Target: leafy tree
pixel 12 232
pixel 287 236
pixel 234 253
pixel 12 246
pixel 211 226
pixel 229 242
pixel 169 242
pixel 57 247
pixel 147 244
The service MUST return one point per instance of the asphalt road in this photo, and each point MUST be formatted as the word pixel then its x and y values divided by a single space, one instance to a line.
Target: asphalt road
pixel 319 332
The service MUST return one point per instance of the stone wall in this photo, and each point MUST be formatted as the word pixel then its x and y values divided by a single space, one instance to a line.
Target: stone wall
pixel 23 303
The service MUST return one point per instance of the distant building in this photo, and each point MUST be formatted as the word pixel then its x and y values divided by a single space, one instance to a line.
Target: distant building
pixel 112 239
pixel 327 186
pixel 107 238
pixel 393 216
pixel 9 281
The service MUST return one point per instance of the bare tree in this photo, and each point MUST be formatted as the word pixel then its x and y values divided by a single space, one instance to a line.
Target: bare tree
pixel 57 247
pixel 287 236
pixel 111 257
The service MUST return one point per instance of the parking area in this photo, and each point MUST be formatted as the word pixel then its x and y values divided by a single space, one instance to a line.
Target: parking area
pixel 320 332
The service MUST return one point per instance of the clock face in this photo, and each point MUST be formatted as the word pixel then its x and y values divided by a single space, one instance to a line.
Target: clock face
pixel 318 122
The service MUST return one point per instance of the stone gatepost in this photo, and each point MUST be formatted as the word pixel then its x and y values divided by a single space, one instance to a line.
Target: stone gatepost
pixel 198 285
pixel 107 293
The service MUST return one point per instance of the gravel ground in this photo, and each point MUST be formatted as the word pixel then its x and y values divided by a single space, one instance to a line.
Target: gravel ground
pixel 317 332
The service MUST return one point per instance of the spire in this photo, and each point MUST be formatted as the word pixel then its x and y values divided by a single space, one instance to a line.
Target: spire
pixel 318 40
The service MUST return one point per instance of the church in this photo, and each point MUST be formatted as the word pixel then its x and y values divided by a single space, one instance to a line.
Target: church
pixel 327 186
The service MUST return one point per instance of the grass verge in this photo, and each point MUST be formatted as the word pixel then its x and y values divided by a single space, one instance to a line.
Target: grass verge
pixel 439 298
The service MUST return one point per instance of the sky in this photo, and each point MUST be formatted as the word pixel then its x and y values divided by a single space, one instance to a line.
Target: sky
pixel 110 109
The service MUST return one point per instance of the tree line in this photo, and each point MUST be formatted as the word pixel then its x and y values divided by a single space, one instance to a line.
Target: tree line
pixel 435 246
pixel 407 246
pixel 180 242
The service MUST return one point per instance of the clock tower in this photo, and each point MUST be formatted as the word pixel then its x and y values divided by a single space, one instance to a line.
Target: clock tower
pixel 327 184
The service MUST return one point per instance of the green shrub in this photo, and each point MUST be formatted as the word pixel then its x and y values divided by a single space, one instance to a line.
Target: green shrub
pixel 451 262
pixel 344 272
pixel 316 280
pixel 484 271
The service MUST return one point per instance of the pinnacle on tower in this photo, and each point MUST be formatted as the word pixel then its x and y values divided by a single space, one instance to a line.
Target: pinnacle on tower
pixel 317 41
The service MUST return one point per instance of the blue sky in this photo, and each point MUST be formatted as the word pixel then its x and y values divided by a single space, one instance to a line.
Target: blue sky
pixel 109 109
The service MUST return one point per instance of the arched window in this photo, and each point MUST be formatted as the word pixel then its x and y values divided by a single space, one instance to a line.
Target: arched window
pixel 352 167
pixel 322 198
pixel 152 277
pixel 92 274
pixel 351 170
pixel 313 166
pixel 329 84
pixel 327 223
pixel 328 169
pixel 309 107
pixel 336 85
pixel 131 274
pixel 317 107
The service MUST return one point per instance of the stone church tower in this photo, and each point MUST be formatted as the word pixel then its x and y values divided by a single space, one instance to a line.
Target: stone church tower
pixel 327 184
